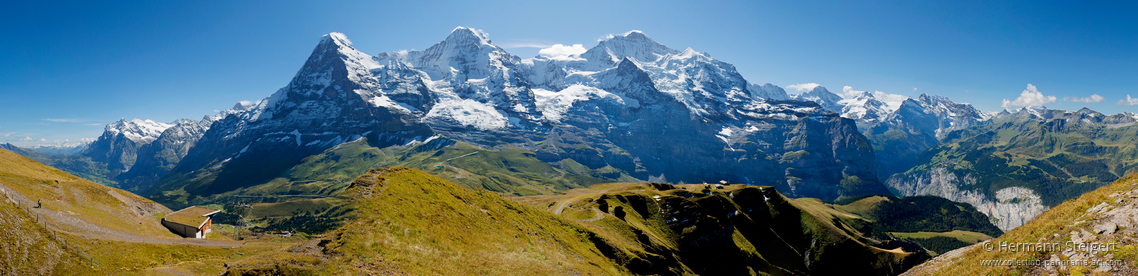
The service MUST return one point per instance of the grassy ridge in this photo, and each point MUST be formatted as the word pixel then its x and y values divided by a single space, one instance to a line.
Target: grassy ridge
pixel 736 230
pixel 412 222
pixel 507 171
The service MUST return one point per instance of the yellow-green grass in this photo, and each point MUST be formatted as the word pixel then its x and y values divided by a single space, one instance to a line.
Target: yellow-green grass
pixel 1059 220
pixel 862 206
pixel 82 199
pixel 412 222
pixel 964 236
pixel 119 258
pixel 30 248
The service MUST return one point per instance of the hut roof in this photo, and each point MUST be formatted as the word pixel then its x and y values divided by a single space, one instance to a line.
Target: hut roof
pixel 192 216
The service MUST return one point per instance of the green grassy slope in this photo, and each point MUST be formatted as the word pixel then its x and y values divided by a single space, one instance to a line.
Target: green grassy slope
pixel 84 228
pixel 732 231
pixel 411 222
pixel 921 213
pixel 937 224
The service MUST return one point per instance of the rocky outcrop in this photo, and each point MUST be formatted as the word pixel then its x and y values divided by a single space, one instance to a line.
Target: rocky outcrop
pixel 1094 234
pixel 1113 223
pixel 1009 208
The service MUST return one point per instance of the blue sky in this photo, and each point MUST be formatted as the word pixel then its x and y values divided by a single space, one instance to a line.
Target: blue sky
pixel 68 69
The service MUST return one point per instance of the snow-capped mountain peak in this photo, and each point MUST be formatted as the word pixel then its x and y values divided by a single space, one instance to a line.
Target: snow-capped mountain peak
pixel 139 131
pixel 768 91
pixel 462 34
pixel 634 44
pixel 828 100
pixel 465 54
pixel 338 39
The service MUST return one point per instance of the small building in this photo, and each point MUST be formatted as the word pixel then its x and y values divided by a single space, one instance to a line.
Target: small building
pixel 192 222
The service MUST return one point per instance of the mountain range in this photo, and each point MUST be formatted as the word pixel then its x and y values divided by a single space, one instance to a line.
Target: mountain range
pixel 621 105
pixel 623 110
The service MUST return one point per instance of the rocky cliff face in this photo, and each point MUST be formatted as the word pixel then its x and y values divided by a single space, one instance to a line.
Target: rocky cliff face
pixel 1010 207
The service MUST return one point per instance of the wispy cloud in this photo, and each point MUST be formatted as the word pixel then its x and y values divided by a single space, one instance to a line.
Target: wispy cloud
pixel 1128 101
pixel 1029 97
pixel 66 120
pixel 803 87
pixel 560 51
pixel 25 139
pixel 1092 99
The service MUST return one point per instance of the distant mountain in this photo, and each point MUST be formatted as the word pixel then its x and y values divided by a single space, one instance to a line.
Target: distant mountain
pixel 623 105
pixel 62 149
pixel 828 100
pixel 914 127
pixel 118 146
pixel 1023 163
pixel 768 91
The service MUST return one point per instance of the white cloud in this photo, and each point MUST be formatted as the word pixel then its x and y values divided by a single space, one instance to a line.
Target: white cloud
pixel 26 139
pixel 43 140
pixel 849 92
pixel 914 89
pixel 803 87
pixel 1029 97
pixel 560 51
pixel 1092 99
pixel 1128 101
pixel 7 134
pixel 605 37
